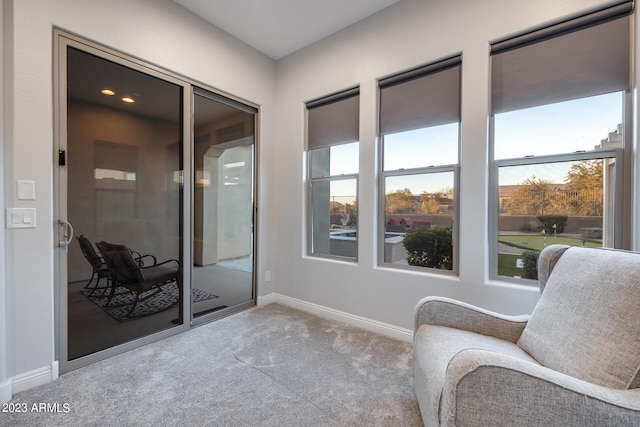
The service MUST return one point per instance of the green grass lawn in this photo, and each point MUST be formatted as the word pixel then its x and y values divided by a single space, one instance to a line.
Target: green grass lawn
pixel 507 265
pixel 537 242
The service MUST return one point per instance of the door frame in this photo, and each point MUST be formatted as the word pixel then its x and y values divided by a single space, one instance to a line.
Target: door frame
pixel 62 40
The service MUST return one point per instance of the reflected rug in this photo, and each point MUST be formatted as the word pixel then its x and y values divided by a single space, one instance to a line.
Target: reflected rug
pixel 151 302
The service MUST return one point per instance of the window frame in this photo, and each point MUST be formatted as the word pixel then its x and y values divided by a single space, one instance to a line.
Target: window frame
pixel 423 71
pixel 310 180
pixel 310 239
pixel 623 202
pixel 382 201
pixel 622 207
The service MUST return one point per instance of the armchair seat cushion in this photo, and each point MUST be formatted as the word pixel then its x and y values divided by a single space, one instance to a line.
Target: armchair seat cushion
pixel 434 347
pixel 159 273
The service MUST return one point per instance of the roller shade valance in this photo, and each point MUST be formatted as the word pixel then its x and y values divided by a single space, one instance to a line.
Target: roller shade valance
pixel 428 96
pixel 333 120
pixel 554 66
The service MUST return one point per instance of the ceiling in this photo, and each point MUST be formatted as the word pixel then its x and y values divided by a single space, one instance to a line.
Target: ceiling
pixel 280 27
pixel 274 27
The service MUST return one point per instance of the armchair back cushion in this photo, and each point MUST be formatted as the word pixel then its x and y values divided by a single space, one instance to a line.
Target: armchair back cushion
pixel 587 321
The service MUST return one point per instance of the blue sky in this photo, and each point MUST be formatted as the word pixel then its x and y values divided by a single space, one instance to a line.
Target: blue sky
pixel 566 127
pixel 552 129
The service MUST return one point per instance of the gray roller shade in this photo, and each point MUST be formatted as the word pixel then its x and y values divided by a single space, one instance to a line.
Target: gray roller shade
pixel 428 96
pixel 333 120
pixel 562 63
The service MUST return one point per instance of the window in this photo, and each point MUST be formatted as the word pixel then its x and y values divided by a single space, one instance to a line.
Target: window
pixel 333 165
pixel 419 134
pixel 558 109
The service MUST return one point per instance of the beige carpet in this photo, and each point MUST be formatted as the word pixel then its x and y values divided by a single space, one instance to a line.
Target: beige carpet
pixel 270 366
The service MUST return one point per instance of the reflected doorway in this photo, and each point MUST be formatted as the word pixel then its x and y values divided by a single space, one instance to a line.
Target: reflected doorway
pixel 223 217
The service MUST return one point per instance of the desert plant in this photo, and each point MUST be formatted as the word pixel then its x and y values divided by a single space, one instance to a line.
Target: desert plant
pixel 429 247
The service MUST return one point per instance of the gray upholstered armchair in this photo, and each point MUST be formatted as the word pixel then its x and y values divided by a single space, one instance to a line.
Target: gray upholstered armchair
pixel 574 362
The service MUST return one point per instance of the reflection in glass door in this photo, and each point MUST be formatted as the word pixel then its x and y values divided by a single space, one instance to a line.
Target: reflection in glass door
pixel 223 239
pixel 123 163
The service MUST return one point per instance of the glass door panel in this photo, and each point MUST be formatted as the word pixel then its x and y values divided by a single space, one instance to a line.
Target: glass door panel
pixel 124 133
pixel 222 274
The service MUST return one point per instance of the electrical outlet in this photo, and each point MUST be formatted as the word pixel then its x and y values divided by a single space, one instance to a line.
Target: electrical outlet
pixel 267 276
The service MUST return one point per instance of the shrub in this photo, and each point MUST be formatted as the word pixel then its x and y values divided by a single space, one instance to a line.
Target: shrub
pixel 526 228
pixel 548 221
pixel 530 264
pixel 429 247
pixel 591 233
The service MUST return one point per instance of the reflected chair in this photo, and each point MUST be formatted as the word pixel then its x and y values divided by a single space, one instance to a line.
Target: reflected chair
pixel 128 271
pixel 100 269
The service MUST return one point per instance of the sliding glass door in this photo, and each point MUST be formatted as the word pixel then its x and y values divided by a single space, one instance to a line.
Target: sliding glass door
pixel 155 200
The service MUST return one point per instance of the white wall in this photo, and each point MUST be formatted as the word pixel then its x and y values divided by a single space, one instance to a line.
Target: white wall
pixel 406 35
pixel 159 32
pixel 5 382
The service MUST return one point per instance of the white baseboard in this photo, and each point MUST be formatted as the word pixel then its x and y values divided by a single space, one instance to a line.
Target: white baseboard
pixel 266 300
pixel 6 391
pixel 341 316
pixel 34 378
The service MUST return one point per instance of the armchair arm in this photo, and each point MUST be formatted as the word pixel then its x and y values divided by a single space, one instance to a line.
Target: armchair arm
pixel 448 312
pixel 139 258
pixel 157 264
pixel 488 388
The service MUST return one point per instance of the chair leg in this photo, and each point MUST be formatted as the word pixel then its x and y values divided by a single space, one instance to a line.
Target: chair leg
pixel 91 280
pixel 98 276
pixel 133 306
pixel 104 289
pixel 112 293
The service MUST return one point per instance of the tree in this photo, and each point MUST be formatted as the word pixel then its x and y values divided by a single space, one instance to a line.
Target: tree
pixel 336 207
pixel 586 179
pixel 401 201
pixel 431 203
pixel 536 196
pixel 582 195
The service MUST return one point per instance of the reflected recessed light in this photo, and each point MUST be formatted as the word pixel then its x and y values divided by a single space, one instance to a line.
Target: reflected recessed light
pixel 127 99
pixel 107 92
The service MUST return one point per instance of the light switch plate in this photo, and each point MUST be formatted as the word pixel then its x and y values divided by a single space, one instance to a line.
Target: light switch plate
pixel 26 190
pixel 20 218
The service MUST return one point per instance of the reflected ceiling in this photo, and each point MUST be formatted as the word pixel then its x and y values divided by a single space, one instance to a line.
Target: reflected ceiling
pixel 87 75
